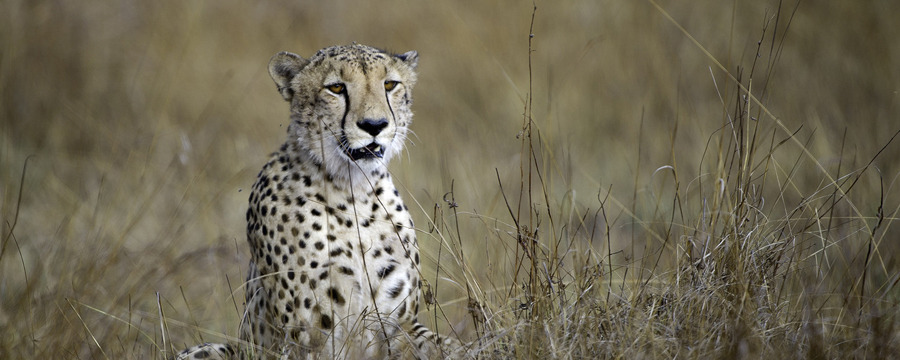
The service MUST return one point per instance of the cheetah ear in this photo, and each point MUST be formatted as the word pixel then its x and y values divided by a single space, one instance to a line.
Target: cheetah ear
pixel 283 67
pixel 411 58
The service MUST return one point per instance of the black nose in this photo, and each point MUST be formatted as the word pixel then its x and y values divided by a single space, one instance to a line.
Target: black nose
pixel 373 126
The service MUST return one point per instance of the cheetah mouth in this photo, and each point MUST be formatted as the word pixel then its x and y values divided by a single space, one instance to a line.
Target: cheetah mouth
pixel 371 151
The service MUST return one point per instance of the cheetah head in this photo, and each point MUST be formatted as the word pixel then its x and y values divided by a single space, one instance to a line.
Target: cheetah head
pixel 350 106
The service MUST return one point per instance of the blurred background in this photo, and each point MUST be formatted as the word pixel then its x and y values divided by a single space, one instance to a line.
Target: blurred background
pixel 131 132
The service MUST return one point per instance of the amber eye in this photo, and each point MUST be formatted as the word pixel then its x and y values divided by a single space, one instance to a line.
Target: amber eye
pixel 390 85
pixel 336 88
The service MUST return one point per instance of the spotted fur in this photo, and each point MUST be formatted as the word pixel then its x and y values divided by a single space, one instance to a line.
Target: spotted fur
pixel 334 270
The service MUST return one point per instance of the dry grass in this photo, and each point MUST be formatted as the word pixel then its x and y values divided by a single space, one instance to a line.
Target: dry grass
pixel 604 189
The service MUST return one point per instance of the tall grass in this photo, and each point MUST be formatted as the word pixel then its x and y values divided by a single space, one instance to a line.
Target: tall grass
pixel 738 260
pixel 590 179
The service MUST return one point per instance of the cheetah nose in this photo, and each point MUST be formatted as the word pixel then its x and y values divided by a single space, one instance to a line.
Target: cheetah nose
pixel 372 126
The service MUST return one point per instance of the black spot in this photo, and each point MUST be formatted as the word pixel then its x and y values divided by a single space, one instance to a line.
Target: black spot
pixel 323 275
pixel 312 284
pixel 335 295
pixel 314 264
pixel 389 250
pixel 290 274
pixel 320 198
pixel 319 245
pixel 379 191
pixel 342 207
pixel 315 212
pixel 419 329
pixel 316 226
pixel 325 321
pixel 300 217
pixel 393 293
pixel 331 237
pixel 307 181
pixel 346 271
pixel 385 271
pixel 336 252
pixel 284 218
pixel 399 207
pixel 228 348
pixel 295 231
pixel 301 200
pixel 329 210
pixel 307 303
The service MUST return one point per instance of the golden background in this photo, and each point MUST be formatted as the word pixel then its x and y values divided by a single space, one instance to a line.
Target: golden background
pixel 144 124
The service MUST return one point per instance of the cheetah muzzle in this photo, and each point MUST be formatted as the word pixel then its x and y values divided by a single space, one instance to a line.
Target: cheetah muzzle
pixel 334 257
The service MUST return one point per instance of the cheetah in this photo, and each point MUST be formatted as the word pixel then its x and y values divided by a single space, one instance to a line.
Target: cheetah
pixel 334 269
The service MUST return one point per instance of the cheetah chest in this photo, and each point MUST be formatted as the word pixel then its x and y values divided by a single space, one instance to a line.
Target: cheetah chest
pixel 333 249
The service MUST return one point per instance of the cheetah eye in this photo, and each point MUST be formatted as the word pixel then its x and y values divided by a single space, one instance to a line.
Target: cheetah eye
pixel 390 85
pixel 336 88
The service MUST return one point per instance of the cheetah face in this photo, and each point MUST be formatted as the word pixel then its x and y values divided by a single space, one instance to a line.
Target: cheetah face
pixel 350 106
